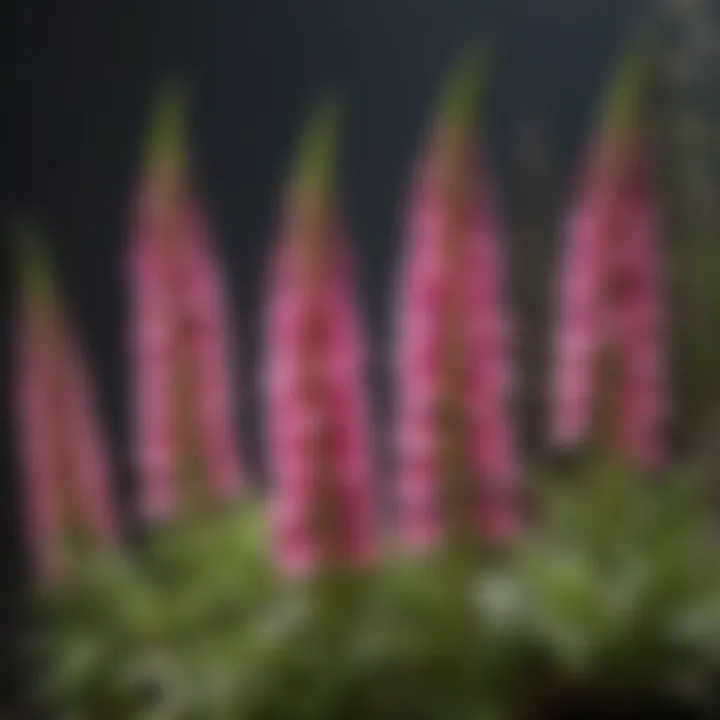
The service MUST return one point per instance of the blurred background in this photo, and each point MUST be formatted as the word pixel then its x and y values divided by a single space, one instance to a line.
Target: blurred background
pixel 81 76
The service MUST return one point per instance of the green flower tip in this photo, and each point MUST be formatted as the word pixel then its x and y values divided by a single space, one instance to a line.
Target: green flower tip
pixel 167 139
pixel 628 93
pixel 316 163
pixel 36 268
pixel 460 98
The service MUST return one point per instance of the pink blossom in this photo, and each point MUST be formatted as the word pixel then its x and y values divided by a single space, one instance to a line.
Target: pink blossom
pixel 611 301
pixel 317 418
pixel 67 467
pixel 152 361
pixel 184 391
pixel 579 328
pixel 611 297
pixel 437 291
pixel 639 327
pixel 332 412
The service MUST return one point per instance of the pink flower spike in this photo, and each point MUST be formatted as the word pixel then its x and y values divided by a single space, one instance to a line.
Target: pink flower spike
pixel 611 300
pixel 451 293
pixel 578 331
pixel 640 328
pixel 67 467
pixel 186 429
pixel 316 414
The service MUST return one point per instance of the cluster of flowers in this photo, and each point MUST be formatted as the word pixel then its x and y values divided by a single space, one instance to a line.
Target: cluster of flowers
pixel 457 458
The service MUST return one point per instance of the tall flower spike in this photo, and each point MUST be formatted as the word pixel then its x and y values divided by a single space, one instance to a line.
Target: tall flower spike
pixel 184 393
pixel 611 315
pixel 456 441
pixel 68 480
pixel 317 419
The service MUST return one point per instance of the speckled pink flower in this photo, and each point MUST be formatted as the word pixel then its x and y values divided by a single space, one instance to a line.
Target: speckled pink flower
pixel 186 435
pixel 611 315
pixel 68 488
pixel 453 346
pixel 319 452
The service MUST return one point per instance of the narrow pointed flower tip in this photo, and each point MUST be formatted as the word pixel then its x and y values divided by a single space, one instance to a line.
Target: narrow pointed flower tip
pixel 627 95
pixel 38 281
pixel 313 180
pixel 315 169
pixel 166 142
pixel 455 122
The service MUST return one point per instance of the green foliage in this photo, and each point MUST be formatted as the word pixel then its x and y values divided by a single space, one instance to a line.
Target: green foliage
pixel 158 635
pixel 622 582
pixel 92 627
pixel 615 588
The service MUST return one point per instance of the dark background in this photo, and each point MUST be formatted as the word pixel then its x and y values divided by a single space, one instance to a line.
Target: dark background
pixel 81 76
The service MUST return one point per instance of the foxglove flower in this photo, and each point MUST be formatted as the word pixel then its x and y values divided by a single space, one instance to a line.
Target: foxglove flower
pixel 611 317
pixel 456 439
pixel 68 478
pixel 184 391
pixel 639 328
pixel 317 418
